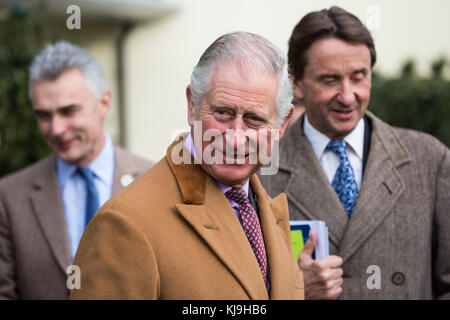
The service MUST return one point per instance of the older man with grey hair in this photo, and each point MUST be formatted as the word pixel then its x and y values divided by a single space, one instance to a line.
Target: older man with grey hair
pixel 45 207
pixel 199 225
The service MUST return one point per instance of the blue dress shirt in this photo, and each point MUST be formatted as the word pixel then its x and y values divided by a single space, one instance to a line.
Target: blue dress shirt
pixel 73 190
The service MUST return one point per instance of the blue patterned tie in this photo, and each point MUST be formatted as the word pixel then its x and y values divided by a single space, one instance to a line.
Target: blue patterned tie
pixel 344 181
pixel 92 202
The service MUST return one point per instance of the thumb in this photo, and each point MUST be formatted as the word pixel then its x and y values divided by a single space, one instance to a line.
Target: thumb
pixel 310 244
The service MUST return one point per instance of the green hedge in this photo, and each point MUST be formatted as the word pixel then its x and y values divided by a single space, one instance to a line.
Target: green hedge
pixel 414 102
pixel 22 34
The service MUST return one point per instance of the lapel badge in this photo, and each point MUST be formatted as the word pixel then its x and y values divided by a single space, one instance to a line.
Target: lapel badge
pixel 125 180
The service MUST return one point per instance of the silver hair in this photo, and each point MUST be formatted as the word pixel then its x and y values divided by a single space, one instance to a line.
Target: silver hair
pixel 244 49
pixel 55 59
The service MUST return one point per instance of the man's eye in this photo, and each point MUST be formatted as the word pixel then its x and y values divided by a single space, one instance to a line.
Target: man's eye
pixel 254 120
pixel 358 76
pixel 223 113
pixel 41 116
pixel 329 80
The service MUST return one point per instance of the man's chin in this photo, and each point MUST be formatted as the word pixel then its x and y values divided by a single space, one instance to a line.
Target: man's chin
pixel 342 129
pixel 235 175
pixel 69 156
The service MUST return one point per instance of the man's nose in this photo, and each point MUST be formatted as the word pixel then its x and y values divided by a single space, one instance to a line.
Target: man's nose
pixel 236 134
pixel 346 95
pixel 58 125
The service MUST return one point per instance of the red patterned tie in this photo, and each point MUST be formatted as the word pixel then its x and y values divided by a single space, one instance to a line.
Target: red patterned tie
pixel 252 227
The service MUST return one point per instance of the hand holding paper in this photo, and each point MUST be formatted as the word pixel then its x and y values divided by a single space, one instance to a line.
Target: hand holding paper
pixel 322 273
pixel 323 277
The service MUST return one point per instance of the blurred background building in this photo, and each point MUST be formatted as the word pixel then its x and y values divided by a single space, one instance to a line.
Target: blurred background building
pixel 149 47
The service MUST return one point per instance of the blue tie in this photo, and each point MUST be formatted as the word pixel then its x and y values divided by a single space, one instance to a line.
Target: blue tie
pixel 92 202
pixel 344 181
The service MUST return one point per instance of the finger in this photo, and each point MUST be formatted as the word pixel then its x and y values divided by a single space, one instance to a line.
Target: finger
pixel 330 262
pixel 333 294
pixel 333 283
pixel 310 244
pixel 331 274
pixel 335 289
pixel 305 263
pixel 329 290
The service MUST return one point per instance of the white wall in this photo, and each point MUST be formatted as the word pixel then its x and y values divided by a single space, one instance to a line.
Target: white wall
pixel 160 54
pixel 103 50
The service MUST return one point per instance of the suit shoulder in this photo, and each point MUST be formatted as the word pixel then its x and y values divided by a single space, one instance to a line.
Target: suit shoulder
pixel 416 136
pixel 146 190
pixel 421 143
pixel 27 175
pixel 132 160
pixel 420 146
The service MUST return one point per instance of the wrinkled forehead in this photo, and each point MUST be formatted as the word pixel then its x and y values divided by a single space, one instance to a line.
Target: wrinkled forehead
pixel 244 72
pixel 244 83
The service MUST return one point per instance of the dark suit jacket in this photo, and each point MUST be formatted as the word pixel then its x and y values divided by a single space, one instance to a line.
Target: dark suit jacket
pixel 401 222
pixel 172 234
pixel 34 244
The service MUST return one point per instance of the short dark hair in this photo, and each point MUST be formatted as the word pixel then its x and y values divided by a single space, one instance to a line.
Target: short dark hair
pixel 327 23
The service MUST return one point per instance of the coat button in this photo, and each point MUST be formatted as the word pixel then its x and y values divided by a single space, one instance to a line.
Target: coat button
pixel 398 278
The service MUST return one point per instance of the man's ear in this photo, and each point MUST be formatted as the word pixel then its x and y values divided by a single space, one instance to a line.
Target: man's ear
pixel 285 122
pixel 105 103
pixel 299 93
pixel 191 107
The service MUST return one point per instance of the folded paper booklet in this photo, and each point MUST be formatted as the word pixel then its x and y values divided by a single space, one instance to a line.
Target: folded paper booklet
pixel 300 230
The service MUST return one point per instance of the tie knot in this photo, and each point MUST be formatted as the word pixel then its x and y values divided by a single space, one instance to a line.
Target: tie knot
pixel 339 147
pixel 237 195
pixel 87 174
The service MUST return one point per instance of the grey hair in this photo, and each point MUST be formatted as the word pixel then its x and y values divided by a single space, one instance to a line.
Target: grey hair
pixel 55 59
pixel 244 49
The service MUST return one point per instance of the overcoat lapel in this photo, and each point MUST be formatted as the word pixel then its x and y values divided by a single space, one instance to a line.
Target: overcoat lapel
pixel 381 187
pixel 219 227
pixel 274 216
pixel 48 207
pixel 308 188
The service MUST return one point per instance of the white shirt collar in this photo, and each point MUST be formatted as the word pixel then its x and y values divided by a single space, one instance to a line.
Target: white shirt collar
pixel 319 141
pixel 355 139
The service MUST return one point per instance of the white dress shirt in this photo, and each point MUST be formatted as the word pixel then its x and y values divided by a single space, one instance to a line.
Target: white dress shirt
pixel 329 160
